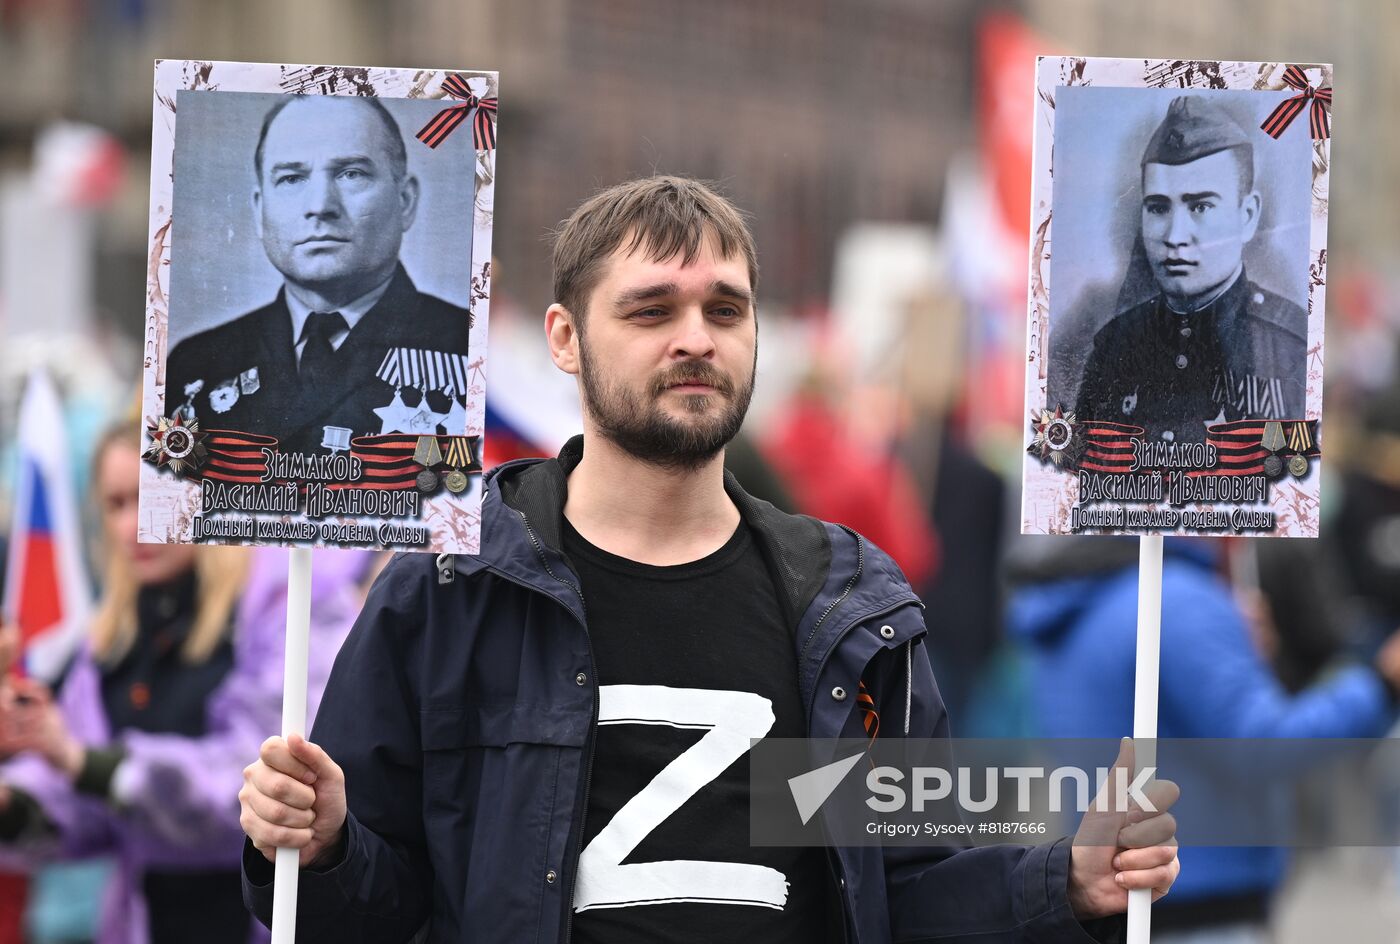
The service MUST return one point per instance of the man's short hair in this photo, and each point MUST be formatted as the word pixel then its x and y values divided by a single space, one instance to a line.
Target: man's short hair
pixel 398 154
pixel 663 216
pixel 1244 163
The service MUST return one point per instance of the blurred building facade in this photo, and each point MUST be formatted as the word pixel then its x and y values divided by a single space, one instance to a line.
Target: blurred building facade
pixel 1356 36
pixel 811 115
pixel 814 114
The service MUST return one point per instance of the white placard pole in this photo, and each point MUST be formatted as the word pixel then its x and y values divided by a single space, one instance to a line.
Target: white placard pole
pixel 284 882
pixel 1149 657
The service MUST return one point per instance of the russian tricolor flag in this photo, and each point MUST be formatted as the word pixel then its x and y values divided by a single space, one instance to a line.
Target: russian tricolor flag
pixel 532 408
pixel 46 585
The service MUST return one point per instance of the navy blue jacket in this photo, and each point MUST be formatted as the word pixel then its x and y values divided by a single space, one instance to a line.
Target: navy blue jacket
pixel 462 713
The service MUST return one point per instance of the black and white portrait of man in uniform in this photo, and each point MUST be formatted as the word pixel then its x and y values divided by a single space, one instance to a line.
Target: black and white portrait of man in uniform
pixel 349 346
pixel 1210 346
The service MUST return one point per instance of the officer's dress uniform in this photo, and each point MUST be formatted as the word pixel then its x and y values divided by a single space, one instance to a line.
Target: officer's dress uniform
pixel 1243 356
pixel 245 375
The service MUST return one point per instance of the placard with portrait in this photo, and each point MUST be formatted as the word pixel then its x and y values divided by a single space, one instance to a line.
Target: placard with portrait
pixel 1177 290
pixel 318 293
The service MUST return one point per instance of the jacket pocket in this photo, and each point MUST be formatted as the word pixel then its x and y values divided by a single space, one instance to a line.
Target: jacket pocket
pixel 475 754
pixel 498 782
pixel 501 724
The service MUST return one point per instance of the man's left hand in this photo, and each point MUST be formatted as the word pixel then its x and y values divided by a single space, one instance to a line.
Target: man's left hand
pixel 1118 850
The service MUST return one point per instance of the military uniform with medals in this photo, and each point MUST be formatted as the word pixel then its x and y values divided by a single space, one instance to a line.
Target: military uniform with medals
pixel 1241 356
pixel 401 368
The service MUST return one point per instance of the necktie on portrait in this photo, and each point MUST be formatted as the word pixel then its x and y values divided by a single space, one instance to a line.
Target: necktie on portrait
pixel 317 354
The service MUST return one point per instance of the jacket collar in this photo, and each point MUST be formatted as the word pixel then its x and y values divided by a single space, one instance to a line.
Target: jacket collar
pixel 522 524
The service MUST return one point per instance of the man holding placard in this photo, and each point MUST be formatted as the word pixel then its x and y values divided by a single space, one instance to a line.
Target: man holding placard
pixel 350 346
pixel 498 761
pixel 1211 346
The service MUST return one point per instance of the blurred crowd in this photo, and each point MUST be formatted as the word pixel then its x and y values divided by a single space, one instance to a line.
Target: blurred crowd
pixel 126 754
pixel 889 399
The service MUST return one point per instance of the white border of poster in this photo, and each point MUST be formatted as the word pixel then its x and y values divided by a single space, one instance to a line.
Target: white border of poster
pixel 257 457
pixel 1153 410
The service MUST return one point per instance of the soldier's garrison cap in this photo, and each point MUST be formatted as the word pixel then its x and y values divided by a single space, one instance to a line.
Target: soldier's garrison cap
pixel 1194 128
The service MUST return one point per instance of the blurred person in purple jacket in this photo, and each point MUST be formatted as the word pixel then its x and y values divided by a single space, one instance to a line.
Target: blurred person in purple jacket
pixel 139 756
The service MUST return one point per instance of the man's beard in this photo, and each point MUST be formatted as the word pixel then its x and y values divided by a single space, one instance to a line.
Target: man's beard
pixel 638 425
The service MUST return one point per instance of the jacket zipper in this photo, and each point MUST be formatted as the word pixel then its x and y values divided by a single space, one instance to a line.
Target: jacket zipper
pixel 850 584
pixel 592 728
pixel 832 859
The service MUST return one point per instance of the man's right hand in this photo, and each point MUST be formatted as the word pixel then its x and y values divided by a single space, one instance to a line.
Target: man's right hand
pixel 293 797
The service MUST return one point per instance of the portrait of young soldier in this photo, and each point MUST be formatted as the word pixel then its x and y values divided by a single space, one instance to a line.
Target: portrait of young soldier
pixel 553 744
pixel 349 346
pixel 1211 346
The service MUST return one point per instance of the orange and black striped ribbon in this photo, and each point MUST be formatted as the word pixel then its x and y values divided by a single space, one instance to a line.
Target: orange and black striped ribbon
pixel 1108 447
pixel 869 717
pixel 482 110
pixel 234 456
pixel 1240 445
pixel 1282 116
pixel 388 460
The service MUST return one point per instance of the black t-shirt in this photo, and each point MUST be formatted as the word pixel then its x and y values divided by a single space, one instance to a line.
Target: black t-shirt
pixel 693 661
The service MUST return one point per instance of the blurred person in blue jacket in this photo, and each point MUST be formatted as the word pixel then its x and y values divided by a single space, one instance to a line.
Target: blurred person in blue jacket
pixel 1074 610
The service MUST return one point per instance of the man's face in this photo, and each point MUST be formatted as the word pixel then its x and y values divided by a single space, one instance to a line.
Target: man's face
pixel 1195 223
pixel 328 207
pixel 667 355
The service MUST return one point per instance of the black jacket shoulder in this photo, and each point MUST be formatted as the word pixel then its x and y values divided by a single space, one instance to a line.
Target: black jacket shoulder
pixel 211 342
pixel 1273 312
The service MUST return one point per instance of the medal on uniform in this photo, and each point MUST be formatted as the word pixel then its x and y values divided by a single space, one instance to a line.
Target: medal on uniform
pixel 1298 466
pixel 248 382
pixel 186 410
pixel 423 419
pixel 224 396
pixel 455 422
pixel 1273 441
pixel 459 456
pixel 335 438
pixel 394 415
pixel 177 444
pixel 1057 438
pixel 427 454
pixel 456 481
pixel 1300 436
pixel 417 367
